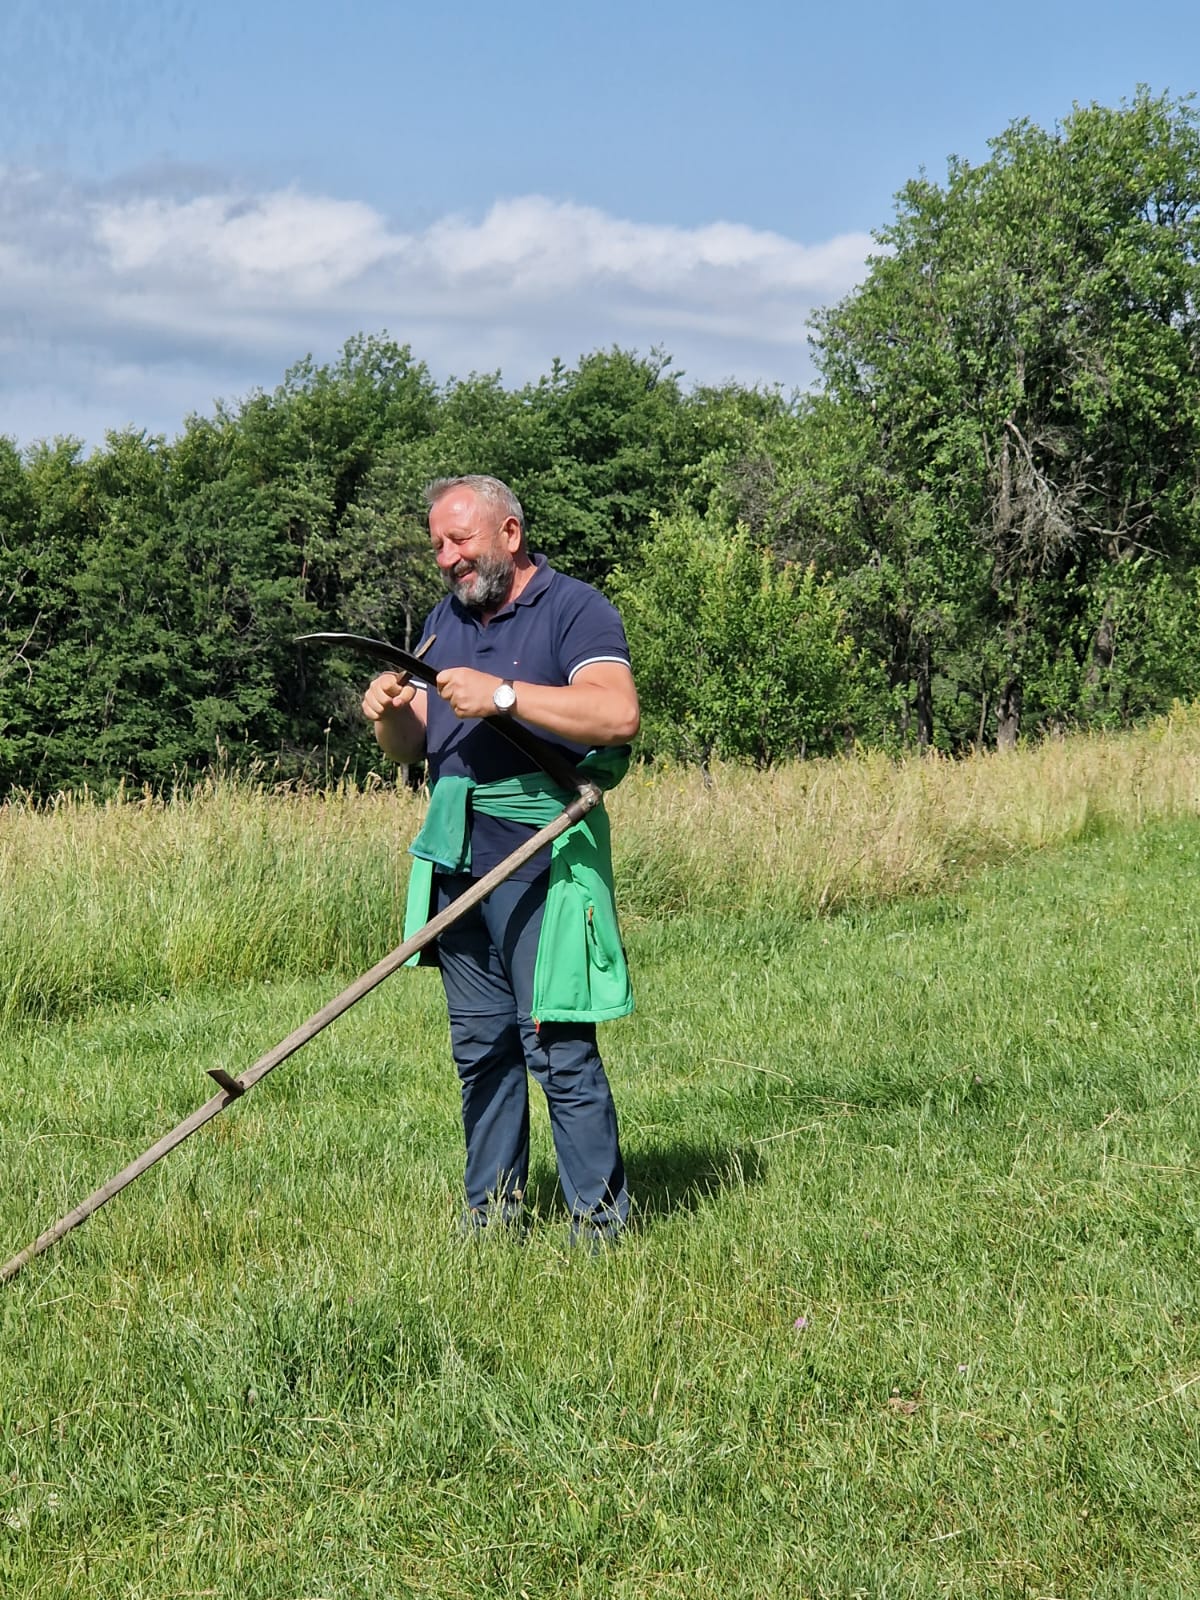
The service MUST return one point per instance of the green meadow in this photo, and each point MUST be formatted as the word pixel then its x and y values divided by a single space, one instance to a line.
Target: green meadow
pixel 911 1108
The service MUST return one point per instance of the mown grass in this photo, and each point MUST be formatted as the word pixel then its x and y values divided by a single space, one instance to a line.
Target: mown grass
pixel 910 1307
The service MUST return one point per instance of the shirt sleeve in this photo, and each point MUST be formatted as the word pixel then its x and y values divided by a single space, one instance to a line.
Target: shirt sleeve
pixel 592 631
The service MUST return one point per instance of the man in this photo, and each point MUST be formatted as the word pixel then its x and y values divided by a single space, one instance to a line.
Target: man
pixel 515 636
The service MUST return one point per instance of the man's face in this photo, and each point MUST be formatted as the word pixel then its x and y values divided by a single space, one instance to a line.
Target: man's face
pixel 474 545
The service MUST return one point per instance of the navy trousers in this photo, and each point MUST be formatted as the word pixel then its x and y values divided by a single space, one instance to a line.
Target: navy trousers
pixel 486 961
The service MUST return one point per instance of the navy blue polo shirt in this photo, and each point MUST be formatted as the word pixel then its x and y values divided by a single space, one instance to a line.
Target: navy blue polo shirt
pixel 555 626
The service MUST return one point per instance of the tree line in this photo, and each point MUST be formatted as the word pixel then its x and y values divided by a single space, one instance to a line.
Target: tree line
pixel 983 524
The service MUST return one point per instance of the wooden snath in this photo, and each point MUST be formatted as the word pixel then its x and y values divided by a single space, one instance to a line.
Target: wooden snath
pixel 586 796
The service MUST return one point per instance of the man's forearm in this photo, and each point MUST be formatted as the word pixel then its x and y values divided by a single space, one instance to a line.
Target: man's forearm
pixel 400 734
pixel 580 713
pixel 599 708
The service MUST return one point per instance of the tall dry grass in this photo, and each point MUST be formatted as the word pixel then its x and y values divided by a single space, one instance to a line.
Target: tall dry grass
pixel 237 882
pixel 822 835
pixel 136 895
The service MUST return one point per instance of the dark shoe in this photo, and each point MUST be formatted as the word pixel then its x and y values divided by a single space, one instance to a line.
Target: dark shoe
pixel 596 1231
pixel 505 1217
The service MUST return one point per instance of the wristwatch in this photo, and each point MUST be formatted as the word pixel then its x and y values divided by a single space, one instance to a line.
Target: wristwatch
pixel 505 696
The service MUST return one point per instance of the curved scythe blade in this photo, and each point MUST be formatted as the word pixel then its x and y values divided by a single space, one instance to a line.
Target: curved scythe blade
pixel 552 762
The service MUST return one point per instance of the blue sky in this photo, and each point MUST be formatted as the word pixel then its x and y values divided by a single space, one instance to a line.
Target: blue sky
pixel 195 196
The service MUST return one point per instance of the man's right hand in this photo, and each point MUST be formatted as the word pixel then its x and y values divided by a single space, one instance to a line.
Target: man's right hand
pixel 397 714
pixel 390 691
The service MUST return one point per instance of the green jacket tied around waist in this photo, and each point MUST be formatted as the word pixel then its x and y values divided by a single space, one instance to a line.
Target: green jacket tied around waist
pixel 580 973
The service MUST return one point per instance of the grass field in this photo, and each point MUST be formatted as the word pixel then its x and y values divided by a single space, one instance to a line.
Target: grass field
pixel 911 1109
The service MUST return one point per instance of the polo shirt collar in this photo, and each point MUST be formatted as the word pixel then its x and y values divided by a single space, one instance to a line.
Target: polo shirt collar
pixel 542 574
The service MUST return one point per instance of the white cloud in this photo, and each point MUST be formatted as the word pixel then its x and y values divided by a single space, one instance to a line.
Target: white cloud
pixel 537 244
pixel 155 303
pixel 289 242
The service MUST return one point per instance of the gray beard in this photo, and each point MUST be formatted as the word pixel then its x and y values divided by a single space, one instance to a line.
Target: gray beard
pixel 486 587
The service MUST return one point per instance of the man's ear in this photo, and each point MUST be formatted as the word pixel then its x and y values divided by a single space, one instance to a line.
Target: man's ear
pixel 511 529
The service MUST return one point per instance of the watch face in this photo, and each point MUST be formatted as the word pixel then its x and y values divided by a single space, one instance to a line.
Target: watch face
pixel 505 697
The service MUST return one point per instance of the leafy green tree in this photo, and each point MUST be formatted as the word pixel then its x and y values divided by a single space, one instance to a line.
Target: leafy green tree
pixel 130 590
pixel 1023 357
pixel 591 451
pixel 21 599
pixel 602 446
pixel 277 505
pixel 735 656
pixel 48 520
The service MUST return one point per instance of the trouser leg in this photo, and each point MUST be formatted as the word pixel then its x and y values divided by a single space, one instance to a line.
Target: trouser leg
pixel 583 1120
pixel 564 1059
pixel 485 1036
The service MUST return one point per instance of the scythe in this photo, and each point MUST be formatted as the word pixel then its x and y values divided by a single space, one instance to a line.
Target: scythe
pixel 586 795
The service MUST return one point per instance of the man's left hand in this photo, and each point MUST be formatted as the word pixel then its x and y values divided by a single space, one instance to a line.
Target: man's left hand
pixel 468 692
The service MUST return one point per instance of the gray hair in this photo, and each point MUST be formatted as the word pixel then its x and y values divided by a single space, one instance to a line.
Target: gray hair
pixel 491 490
